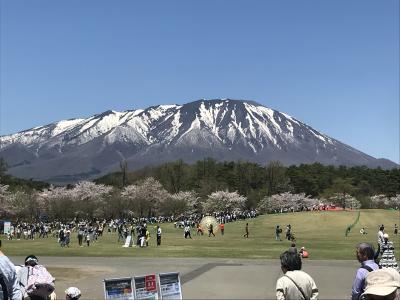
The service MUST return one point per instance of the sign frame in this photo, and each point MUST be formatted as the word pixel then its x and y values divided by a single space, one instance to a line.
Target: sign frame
pixel 153 295
pixel 129 297
pixel 178 293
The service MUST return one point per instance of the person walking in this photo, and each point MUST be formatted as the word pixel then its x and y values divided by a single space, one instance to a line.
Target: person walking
pixel 246 235
pixel 396 229
pixel 211 230
pixel 294 284
pixel 365 255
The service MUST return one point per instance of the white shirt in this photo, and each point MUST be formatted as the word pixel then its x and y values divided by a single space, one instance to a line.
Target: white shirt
pixel 287 290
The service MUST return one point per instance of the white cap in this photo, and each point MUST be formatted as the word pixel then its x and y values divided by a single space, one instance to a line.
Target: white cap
pixel 382 282
pixel 73 292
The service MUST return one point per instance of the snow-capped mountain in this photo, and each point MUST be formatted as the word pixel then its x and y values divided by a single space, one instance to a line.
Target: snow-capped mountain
pixel 77 149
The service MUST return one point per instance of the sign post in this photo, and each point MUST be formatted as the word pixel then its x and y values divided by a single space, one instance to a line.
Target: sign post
pixel 7 227
pixel 118 289
pixel 146 287
pixel 170 286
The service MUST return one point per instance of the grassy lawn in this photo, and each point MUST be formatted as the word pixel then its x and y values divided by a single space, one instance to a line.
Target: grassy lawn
pixel 322 233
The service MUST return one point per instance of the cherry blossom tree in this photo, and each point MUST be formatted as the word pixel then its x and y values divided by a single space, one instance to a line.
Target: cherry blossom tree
pixel 224 201
pixel 57 203
pixel 286 201
pixel 24 205
pixel 145 196
pixel 90 198
pixel 381 201
pixel 345 199
pixel 5 196
pixel 180 203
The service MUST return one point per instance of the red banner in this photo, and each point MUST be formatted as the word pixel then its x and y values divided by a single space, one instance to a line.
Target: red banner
pixel 150 283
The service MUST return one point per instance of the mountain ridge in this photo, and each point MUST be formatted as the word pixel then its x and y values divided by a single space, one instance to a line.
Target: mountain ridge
pixel 224 129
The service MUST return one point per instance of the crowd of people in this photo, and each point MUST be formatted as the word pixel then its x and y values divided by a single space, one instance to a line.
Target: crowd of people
pixel 377 278
pixel 89 231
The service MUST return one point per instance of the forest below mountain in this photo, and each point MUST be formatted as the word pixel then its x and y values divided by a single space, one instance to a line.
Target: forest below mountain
pixel 255 181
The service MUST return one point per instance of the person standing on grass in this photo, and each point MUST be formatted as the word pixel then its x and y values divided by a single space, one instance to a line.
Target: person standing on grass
pixel 159 231
pixel 278 232
pixel 67 237
pixel 246 235
pixel 81 232
pixel 222 227
pixel 381 232
pixel 186 229
pixel 294 284
pixel 211 230
pixel 61 237
pixel 365 255
pixel 288 232
pixel 88 238
pixel 396 229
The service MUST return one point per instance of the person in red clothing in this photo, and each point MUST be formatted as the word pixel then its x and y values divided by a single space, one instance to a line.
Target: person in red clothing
pixel 303 252
pixel 222 227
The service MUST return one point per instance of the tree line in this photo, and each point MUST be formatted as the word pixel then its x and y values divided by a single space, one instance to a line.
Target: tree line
pixel 207 186
pixel 255 181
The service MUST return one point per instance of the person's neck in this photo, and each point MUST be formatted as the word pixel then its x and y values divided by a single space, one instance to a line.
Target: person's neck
pixel 364 261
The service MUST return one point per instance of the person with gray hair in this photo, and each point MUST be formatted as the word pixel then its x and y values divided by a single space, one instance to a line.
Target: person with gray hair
pixel 365 255
pixel 294 284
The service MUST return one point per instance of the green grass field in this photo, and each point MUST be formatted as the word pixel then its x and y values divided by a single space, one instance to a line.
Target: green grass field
pixel 322 233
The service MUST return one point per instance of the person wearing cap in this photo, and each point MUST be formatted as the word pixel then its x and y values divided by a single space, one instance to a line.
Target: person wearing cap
pixel 382 284
pixel 388 259
pixel 365 255
pixel 72 293
pixel 30 261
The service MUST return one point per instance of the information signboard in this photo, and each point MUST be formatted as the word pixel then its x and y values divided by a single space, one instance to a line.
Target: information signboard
pixel 7 227
pixel 144 289
pixel 170 286
pixel 118 289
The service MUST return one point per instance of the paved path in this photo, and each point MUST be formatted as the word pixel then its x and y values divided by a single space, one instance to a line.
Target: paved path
pixel 201 278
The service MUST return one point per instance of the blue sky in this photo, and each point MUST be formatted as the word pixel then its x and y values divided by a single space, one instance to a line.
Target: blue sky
pixel 331 64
